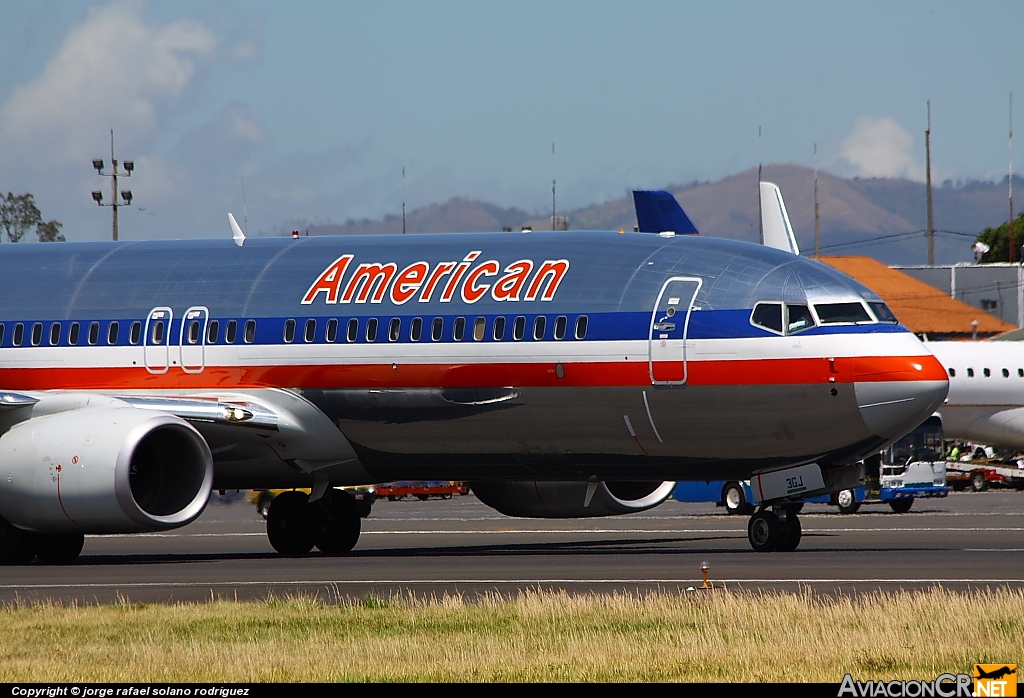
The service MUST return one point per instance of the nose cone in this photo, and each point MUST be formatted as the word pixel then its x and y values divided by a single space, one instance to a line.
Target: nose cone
pixel 896 393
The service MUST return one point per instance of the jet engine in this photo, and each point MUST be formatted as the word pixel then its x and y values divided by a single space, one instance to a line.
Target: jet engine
pixel 565 500
pixel 108 470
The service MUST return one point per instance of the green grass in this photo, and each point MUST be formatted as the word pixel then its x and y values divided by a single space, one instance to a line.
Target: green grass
pixel 536 636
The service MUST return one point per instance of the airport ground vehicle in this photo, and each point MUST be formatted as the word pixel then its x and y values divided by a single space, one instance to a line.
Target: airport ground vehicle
pixel 980 475
pixel 420 490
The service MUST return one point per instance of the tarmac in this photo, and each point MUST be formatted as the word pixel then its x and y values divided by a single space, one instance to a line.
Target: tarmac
pixel 459 546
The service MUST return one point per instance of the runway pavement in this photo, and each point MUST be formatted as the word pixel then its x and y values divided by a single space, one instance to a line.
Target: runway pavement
pixel 967 540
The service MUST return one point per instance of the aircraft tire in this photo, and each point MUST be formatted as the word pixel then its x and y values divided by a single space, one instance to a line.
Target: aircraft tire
pixel 289 524
pixel 901 506
pixel 978 482
pixel 337 523
pixel 733 499
pixel 60 548
pixel 847 502
pixel 792 532
pixel 764 531
pixel 17 546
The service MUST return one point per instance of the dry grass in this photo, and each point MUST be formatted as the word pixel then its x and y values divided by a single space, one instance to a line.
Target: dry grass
pixel 537 636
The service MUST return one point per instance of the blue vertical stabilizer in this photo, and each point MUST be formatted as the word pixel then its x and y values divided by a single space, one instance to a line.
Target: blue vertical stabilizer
pixel 658 211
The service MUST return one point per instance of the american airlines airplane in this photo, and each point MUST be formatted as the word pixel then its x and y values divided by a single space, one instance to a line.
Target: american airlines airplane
pixel 563 374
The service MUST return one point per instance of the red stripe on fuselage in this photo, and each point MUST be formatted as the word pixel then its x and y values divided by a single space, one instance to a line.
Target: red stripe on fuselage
pixel 596 374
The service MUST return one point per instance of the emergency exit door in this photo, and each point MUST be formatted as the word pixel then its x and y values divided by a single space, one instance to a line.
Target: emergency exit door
pixel 156 342
pixel 670 322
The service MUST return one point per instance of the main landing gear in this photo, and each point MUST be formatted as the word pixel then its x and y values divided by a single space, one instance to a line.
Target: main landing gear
pixel 774 530
pixel 20 547
pixel 295 525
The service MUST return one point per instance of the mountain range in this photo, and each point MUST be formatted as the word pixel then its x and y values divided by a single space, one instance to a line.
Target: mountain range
pixel 881 218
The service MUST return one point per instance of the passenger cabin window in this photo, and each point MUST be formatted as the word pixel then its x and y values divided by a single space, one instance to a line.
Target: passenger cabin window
pixel 768 316
pixel 332 330
pixel 73 333
pixel 289 331
pixel 539 325
pixel 194 332
pixel 838 313
pixel 560 322
pixel 394 329
pixel 212 331
pixel 519 328
pixel 581 327
pixel 970 373
pixel 250 331
pixel 437 329
pixel 310 334
pixel 1006 373
pixel 371 330
pixel 37 334
pixel 952 373
pixel 135 332
pixel 1 333
pixel 156 336
pixel 94 332
pixel 1020 371
pixel 987 373
pixel 459 331
pixel 352 331
pixel 799 318
pixel 416 330
pixel 231 333
pixel 499 329
pixel 19 334
pixel 479 328
pixel 55 334
pixel 113 327
pixel 882 312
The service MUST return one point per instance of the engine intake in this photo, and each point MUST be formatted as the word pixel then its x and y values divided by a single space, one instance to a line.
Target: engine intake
pixel 565 500
pixel 109 470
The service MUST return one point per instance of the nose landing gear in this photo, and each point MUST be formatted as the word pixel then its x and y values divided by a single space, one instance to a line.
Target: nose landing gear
pixel 777 530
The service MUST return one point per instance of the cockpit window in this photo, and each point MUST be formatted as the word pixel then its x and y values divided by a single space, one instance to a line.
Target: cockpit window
pixel 835 313
pixel 799 318
pixel 768 316
pixel 882 312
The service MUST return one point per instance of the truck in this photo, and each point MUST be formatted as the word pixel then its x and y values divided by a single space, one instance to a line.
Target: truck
pixel 980 475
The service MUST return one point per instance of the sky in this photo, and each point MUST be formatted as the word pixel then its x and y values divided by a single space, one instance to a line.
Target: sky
pixel 313 109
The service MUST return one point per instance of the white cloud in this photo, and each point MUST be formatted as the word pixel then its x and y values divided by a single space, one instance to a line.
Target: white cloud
pixel 113 70
pixel 880 148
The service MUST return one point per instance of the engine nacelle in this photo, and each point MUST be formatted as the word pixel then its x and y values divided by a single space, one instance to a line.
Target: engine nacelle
pixel 109 470
pixel 566 500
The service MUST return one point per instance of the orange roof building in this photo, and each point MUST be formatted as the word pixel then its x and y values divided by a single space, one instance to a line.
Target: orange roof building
pixel 923 309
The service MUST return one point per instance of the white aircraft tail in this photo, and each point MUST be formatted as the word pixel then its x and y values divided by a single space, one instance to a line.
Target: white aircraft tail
pixel 778 232
pixel 236 233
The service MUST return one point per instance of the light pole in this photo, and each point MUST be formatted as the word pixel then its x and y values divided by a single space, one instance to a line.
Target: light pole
pixel 126 195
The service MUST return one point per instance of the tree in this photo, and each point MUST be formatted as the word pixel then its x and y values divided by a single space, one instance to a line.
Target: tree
pixel 19 214
pixel 50 232
pixel 998 240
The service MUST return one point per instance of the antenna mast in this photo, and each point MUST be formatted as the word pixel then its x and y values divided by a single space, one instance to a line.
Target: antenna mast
pixel 245 208
pixel 817 218
pixel 760 213
pixel 1009 182
pixel 554 209
pixel 928 184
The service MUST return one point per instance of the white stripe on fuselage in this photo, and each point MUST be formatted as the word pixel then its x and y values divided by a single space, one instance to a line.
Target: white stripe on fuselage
pixel 471 352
